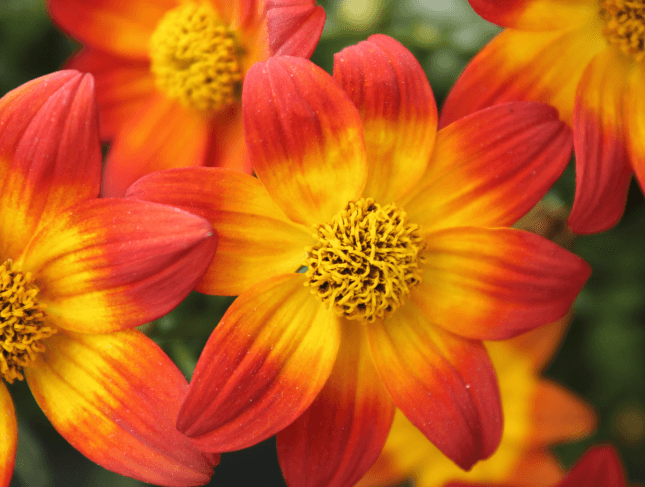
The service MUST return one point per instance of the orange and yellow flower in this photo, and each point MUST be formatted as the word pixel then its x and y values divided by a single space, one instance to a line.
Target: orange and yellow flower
pixel 537 413
pixel 405 265
pixel 169 74
pixel 76 272
pixel 584 57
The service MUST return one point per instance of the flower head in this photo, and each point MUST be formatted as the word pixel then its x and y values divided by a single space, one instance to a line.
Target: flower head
pixel 169 74
pixel 406 272
pixel 76 272
pixel 586 59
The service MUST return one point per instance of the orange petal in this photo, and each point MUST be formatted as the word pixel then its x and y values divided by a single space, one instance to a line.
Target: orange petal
pixel 536 14
pixel 255 241
pixel 304 138
pixel 50 156
pixel 445 385
pixel 598 467
pixel 634 119
pixel 603 171
pixel 294 26
pixel 9 436
pixel 531 66
pixel 492 284
pixel 480 161
pixel 342 433
pixel 115 398
pixel 121 27
pixel 238 13
pixel 536 468
pixel 162 136
pixel 542 343
pixel 399 114
pixel 226 144
pixel 123 87
pixel 110 264
pixel 559 415
pixel 262 367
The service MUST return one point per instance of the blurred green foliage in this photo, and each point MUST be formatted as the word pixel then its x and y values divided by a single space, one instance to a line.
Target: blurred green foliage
pixel 602 357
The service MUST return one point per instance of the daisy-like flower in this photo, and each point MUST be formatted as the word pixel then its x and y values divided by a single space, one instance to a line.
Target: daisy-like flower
pixel 76 272
pixel 584 57
pixel 169 74
pixel 537 413
pixel 598 467
pixel 404 266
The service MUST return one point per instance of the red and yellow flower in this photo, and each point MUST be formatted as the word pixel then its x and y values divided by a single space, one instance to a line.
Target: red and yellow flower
pixel 584 57
pixel 169 74
pixel 407 266
pixel 76 272
pixel 537 413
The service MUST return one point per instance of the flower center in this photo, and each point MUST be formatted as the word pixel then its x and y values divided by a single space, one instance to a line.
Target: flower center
pixel 195 58
pixel 625 25
pixel 365 261
pixel 21 322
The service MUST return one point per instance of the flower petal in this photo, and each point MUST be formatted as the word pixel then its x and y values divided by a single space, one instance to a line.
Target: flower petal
pixel 226 144
pixel 9 436
pixel 255 241
pixel 337 439
pixel 294 26
pixel 492 284
pixel 445 385
pixel 398 111
pixel 598 467
pixel 536 14
pixel 262 367
pixel 634 119
pixel 123 87
pixel 115 398
pixel 110 264
pixel 530 66
pixel 603 171
pixel 481 160
pixel 50 156
pixel 162 136
pixel 304 138
pixel 120 27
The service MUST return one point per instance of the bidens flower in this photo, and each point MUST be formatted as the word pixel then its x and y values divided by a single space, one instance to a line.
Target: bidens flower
pixel 169 74
pixel 537 413
pixel 585 58
pixel 75 273
pixel 401 273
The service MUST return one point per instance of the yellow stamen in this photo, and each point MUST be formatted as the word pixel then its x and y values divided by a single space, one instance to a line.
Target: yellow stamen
pixel 366 260
pixel 625 25
pixel 21 322
pixel 195 58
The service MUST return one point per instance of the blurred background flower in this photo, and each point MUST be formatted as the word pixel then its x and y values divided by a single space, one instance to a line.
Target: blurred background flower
pixel 601 358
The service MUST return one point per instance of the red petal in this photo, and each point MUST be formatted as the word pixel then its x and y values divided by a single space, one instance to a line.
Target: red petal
pixel 9 436
pixel 50 156
pixel 481 160
pixel 110 264
pixel 226 144
pixel 492 284
pixel 164 135
pixel 294 27
pixel 445 385
pixel 262 367
pixel 255 241
pixel 603 171
pixel 398 111
pixel 115 398
pixel 123 87
pixel 598 467
pixel 304 137
pixel 337 439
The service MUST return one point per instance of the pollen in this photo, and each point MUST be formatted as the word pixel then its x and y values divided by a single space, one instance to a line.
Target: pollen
pixel 366 260
pixel 195 58
pixel 625 25
pixel 22 325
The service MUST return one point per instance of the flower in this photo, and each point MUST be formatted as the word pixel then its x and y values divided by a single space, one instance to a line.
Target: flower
pixel 169 74
pixel 598 467
pixel 538 412
pixel 402 274
pixel 76 272
pixel 586 59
